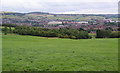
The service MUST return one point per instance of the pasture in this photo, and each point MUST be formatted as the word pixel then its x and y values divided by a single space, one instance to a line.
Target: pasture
pixel 31 53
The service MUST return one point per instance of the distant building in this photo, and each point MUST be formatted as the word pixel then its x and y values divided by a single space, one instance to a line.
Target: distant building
pixel 54 22
pixel 63 26
pixel 117 21
pixel 82 22
pixel 93 32
pixel 107 20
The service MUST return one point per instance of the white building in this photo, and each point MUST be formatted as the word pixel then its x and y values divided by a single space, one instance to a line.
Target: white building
pixel 54 22
pixel 82 22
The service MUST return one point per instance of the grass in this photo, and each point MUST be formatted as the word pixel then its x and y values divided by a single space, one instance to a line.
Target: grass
pixel 30 53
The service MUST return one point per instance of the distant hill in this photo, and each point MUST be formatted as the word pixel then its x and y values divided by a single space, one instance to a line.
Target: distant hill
pixel 39 18
pixel 39 13
pixel 13 13
pixel 46 13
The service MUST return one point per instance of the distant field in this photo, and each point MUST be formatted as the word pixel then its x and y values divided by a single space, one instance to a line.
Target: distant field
pixel 32 53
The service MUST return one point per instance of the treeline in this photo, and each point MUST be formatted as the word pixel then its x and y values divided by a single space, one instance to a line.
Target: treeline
pixel 6 30
pixel 44 32
pixel 9 25
pixel 61 33
pixel 107 34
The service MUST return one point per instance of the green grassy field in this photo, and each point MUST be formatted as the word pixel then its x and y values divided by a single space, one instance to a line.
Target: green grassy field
pixel 30 53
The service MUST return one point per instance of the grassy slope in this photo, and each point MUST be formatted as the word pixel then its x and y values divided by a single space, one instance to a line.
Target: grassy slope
pixel 36 53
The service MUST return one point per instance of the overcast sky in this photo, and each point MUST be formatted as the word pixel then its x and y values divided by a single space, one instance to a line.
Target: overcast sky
pixel 62 6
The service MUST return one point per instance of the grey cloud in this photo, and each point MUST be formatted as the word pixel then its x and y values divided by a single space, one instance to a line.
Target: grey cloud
pixel 63 6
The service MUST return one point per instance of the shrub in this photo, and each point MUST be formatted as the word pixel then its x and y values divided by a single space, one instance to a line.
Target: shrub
pixel 73 37
pixel 103 34
pixel 66 36
pixel 115 34
pixel 60 36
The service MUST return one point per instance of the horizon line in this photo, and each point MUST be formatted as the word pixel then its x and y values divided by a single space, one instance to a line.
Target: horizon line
pixel 55 13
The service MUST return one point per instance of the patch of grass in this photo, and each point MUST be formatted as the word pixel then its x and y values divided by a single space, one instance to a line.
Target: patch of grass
pixel 30 53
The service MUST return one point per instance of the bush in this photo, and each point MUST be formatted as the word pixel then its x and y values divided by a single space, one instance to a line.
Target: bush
pixel 115 34
pixel 66 36
pixel 103 34
pixel 73 37
pixel 60 36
